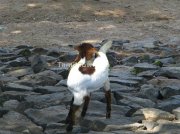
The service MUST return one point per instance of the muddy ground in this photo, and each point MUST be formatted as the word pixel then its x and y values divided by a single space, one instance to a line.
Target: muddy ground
pixel 63 22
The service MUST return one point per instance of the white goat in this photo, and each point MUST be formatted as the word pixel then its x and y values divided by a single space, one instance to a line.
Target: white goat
pixel 89 73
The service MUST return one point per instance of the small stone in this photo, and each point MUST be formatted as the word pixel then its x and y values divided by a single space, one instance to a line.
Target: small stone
pixel 149 124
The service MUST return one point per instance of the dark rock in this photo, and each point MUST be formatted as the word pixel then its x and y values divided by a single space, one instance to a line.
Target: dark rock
pixel 38 63
pixel 149 91
pixel 100 96
pixel 24 47
pixel 61 70
pixel 147 74
pixel 121 88
pixel 149 43
pixel 167 61
pixel 18 123
pixel 49 89
pixel 170 103
pixel 45 78
pixel 123 123
pixel 130 83
pixel 176 112
pixel 136 102
pixel 130 61
pixel 62 83
pixel 15 95
pixel 113 58
pixel 42 101
pixel 5 79
pixel 68 57
pixel 96 109
pixel 58 128
pixel 39 51
pixel 24 52
pixel 16 87
pixel 48 115
pixel 144 67
pixel 3 111
pixel 9 132
pixel 19 62
pixel 168 91
pixel 170 72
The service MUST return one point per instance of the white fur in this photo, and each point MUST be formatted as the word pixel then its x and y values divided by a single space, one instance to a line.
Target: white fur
pixel 82 84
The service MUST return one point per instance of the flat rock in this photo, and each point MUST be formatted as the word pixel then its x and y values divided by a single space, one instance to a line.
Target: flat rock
pixel 16 95
pixel 42 101
pixel 16 87
pixel 145 67
pixel 167 128
pixel 170 103
pixel 98 109
pixel 49 89
pixel 123 123
pixel 176 112
pixel 5 79
pixel 168 91
pixel 121 88
pixel 44 116
pixel 100 96
pixel 9 132
pixel 147 74
pixel 136 102
pixel 153 114
pixel 45 78
pixel 130 83
pixel 164 82
pixel 20 72
pixel 19 62
pixel 170 72
pixel 16 122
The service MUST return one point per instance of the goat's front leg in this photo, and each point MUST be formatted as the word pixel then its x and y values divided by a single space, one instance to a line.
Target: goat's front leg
pixel 108 98
pixel 85 107
pixel 75 105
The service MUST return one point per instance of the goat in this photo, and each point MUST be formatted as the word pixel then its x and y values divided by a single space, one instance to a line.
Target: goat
pixel 89 73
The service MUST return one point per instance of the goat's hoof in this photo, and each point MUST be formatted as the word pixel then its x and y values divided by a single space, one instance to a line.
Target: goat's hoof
pixel 69 128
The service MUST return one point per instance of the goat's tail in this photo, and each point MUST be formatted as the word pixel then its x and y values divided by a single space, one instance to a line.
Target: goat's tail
pixel 106 47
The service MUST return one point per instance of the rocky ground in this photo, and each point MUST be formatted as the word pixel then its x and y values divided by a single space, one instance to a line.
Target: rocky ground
pixel 145 84
pixel 36 46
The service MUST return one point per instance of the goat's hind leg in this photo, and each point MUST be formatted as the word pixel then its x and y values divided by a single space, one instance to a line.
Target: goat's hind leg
pixel 108 98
